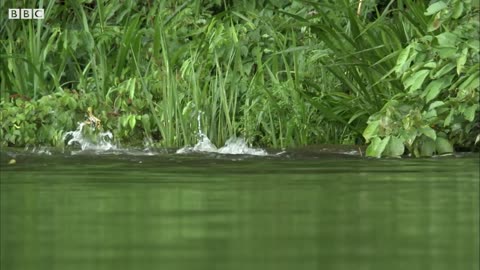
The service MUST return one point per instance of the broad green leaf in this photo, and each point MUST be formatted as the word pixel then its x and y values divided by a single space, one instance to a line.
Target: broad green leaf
pixel 457 9
pixel 448 119
pixel 436 104
pixel 132 121
pixel 469 112
pixel 427 148
pixel 463 93
pixel 461 108
pixel 431 65
pixel 446 52
pixel 435 7
pixel 401 60
pixel 429 132
pixel 72 103
pixel 435 87
pixel 146 122
pixel 462 60
pixel 372 148
pixel 434 23
pixel 443 146
pixel 376 148
pixel 131 87
pixel 444 70
pixel 447 39
pixel 471 82
pixel 474 44
pixel 384 144
pixel 371 130
pixel 416 80
pixel 429 114
pixel 124 120
pixel 442 110
pixel 395 147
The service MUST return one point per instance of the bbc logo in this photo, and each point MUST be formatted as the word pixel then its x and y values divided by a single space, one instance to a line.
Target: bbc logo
pixel 25 13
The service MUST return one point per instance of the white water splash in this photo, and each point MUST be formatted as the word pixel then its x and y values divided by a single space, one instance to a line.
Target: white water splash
pixel 97 142
pixel 40 150
pixel 233 146
pixel 204 145
pixel 238 146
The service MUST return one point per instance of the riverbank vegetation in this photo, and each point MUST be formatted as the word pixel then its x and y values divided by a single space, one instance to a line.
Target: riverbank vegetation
pixel 400 76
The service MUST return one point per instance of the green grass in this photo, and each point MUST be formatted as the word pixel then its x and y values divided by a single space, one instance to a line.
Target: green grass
pixel 305 73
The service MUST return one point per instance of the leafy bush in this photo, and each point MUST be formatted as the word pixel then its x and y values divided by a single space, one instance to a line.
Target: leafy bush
pixel 439 70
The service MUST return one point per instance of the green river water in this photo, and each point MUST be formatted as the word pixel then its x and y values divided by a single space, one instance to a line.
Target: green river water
pixel 211 211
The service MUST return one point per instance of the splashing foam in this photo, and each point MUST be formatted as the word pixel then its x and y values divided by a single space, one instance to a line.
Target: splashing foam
pixel 238 146
pixel 98 142
pixel 233 146
pixel 40 150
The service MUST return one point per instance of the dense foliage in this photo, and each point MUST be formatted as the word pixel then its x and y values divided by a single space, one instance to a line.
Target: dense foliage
pixel 439 70
pixel 399 75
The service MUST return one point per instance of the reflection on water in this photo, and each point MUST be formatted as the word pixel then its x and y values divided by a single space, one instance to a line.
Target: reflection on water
pixel 197 212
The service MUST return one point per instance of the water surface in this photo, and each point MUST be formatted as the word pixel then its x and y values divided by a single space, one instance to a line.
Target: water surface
pixel 212 211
